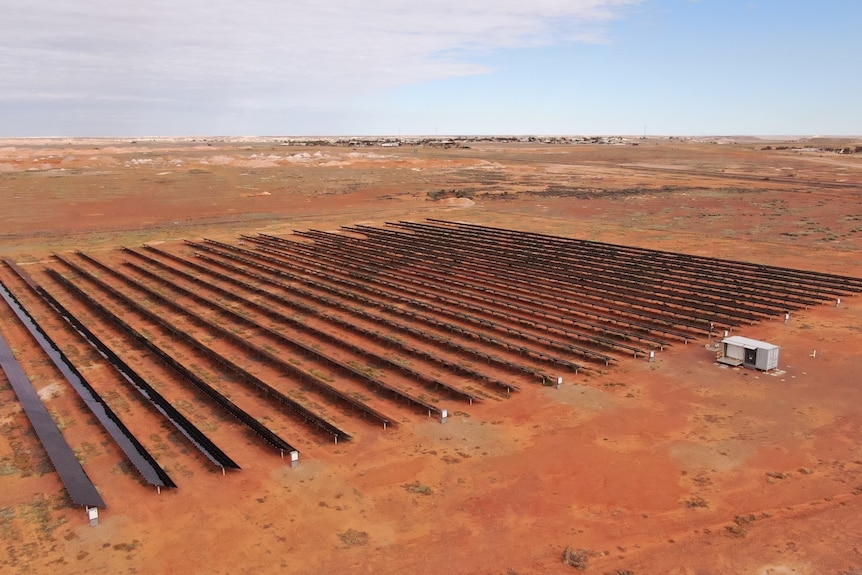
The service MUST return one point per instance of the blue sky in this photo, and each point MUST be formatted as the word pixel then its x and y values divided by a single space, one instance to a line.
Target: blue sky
pixel 350 67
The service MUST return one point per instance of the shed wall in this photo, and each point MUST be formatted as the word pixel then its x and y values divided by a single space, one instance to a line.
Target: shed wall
pixel 767 358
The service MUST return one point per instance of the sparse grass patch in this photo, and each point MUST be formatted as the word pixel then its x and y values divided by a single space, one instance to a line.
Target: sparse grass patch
pixel 86 452
pixel 360 396
pixel 354 538
pixel 38 513
pixel 7 514
pixel 320 375
pixel 417 487
pixel 127 546
pixel 367 370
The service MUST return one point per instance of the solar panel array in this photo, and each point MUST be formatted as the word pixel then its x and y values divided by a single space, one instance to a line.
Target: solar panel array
pixel 369 325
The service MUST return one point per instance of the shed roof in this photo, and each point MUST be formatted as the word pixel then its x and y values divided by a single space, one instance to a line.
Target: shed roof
pixel 748 343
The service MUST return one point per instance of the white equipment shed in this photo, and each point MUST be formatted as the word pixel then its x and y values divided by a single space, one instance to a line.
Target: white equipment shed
pixel 747 352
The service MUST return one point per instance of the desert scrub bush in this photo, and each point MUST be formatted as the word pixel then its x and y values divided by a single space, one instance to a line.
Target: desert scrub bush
pixel 578 558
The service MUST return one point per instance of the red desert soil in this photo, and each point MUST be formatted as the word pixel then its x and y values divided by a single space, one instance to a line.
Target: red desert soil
pixel 673 466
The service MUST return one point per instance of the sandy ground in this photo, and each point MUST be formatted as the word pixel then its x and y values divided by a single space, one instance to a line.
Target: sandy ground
pixel 676 466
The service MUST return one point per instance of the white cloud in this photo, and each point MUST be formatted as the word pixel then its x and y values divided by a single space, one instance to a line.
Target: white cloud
pixel 257 52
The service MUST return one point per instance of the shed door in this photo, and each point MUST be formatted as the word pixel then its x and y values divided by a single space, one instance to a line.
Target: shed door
pixel 751 356
pixel 734 351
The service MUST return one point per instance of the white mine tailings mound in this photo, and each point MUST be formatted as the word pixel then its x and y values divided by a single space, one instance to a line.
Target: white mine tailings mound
pixel 458 202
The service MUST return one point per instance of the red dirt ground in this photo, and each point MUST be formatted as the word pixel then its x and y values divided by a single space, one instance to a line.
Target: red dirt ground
pixel 676 466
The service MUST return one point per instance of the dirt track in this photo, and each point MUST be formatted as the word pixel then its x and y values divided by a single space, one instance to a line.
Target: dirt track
pixel 674 466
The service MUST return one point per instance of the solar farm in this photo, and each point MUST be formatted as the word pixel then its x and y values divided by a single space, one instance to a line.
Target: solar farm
pixel 381 325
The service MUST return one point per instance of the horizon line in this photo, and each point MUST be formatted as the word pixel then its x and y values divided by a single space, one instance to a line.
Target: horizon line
pixel 429 136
